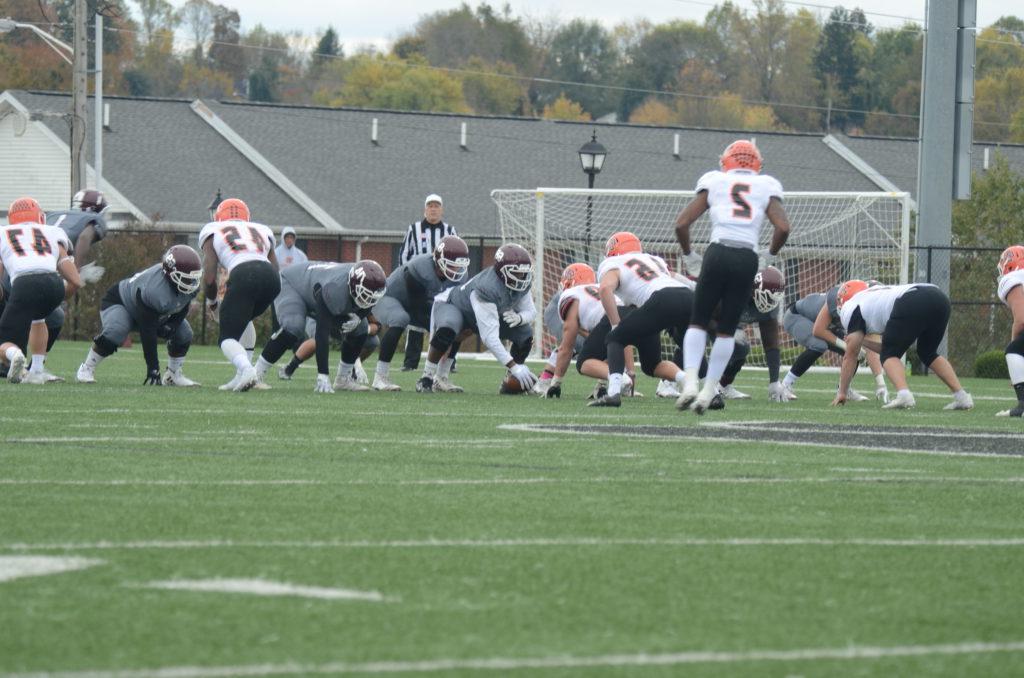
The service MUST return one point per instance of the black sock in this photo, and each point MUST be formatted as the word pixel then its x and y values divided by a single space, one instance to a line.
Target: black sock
pixel 292 365
pixel 1019 388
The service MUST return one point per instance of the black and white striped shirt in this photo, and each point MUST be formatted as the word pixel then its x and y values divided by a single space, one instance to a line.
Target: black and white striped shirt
pixel 423 237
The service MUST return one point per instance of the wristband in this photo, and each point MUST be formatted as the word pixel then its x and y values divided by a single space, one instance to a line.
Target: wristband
pixel 556 381
pixel 841 345
pixel 880 379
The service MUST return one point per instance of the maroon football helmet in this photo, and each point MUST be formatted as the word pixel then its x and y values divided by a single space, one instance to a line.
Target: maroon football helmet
pixel 514 266
pixel 89 201
pixel 452 257
pixel 769 289
pixel 367 283
pixel 183 268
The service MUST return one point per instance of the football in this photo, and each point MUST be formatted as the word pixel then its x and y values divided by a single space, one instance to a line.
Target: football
pixel 510 386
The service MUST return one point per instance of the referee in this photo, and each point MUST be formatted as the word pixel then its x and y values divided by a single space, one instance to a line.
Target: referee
pixel 422 238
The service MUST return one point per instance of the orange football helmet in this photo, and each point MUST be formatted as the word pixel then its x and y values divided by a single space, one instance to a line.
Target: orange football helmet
pixel 25 211
pixel 232 209
pixel 740 154
pixel 622 242
pixel 847 290
pixel 578 274
pixel 1012 259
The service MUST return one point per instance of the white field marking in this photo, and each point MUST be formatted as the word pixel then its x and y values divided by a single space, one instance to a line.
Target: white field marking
pixel 262 587
pixel 122 426
pixel 842 469
pixel 917 393
pixel 847 653
pixel 426 442
pixel 141 482
pixel 16 567
pixel 536 542
pixel 539 428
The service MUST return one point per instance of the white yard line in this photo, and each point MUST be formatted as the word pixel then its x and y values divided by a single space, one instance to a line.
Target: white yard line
pixel 262 587
pixel 513 542
pixel 17 567
pixel 643 659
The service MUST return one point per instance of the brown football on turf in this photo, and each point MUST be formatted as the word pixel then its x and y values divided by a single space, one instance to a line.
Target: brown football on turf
pixel 511 386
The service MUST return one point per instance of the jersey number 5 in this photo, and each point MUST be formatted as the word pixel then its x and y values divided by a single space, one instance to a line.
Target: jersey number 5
pixel 742 209
pixel 40 245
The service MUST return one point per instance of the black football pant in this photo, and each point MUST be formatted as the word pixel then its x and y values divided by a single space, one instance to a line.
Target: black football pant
pixel 33 297
pixel 251 289
pixel 667 309
pixel 921 314
pixel 726 279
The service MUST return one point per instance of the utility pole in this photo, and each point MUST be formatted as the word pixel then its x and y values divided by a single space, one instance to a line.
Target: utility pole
pixel 97 161
pixel 79 93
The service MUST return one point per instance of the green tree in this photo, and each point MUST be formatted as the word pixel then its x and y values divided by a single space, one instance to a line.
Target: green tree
pixel 838 62
pixel 564 108
pixel 998 98
pixel 583 52
pixel 994 215
pixel 157 15
pixel 225 53
pixel 389 82
pixel 328 47
pixel 999 46
pixel 497 94
pixel 795 83
pixel 450 38
pixel 197 18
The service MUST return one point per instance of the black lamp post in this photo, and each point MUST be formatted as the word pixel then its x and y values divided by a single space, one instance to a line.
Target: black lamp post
pixel 214 204
pixel 592 155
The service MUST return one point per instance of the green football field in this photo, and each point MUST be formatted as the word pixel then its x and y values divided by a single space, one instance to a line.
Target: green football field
pixel 187 532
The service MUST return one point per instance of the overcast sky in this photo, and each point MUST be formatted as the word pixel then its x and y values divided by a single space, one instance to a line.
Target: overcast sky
pixel 379 22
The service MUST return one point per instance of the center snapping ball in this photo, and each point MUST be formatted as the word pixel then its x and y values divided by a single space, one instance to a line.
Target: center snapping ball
pixel 510 386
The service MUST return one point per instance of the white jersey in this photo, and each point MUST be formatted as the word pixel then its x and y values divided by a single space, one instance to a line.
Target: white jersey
pixel 31 248
pixel 1008 282
pixel 875 304
pixel 739 201
pixel 237 242
pixel 640 276
pixel 589 306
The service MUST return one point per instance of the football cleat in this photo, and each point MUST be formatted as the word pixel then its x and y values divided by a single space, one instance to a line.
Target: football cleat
pixel 358 373
pixel 52 378
pixel 425 385
pixel 349 384
pixel 689 394
pixel 607 401
pixel 34 378
pixel 230 386
pixel 247 380
pixel 703 401
pixel 177 378
pixel 900 402
pixel 17 370
pixel 600 391
pixel 717 403
pixel 445 386
pixel 283 373
pixel 730 392
pixel 854 396
pixel 961 401
pixel 384 384
pixel 667 389
pixel 85 375
pixel 1015 412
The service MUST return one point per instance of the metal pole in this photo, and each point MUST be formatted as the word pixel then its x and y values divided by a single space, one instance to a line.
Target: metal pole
pixel 97 162
pixel 79 92
pixel 590 213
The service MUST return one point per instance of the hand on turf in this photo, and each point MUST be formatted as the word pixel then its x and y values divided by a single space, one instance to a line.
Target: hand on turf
pixel 554 390
pixel 882 393
pixel 323 384
pixel 839 400
pixel 152 378
pixel 91 272
pixel 693 262
pixel 351 323
pixel 524 375
pixel 512 318
pixel 776 392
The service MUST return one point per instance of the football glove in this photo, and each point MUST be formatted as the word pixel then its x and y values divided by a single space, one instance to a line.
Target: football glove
pixel 777 392
pixel 152 378
pixel 693 263
pixel 555 389
pixel 350 324
pixel 513 318
pixel 524 375
pixel 323 384
pixel 211 305
pixel 881 392
pixel 91 272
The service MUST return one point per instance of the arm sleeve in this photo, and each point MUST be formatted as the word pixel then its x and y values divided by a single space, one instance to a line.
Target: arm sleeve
pixel 324 321
pixel 775 188
pixel 488 326
pixel 147 331
pixel 408 247
pixel 857 323
pixel 526 308
pixel 704 183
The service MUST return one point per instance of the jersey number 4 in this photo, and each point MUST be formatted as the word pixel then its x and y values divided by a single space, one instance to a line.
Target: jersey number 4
pixel 40 245
pixel 742 209
pixel 234 239
pixel 643 271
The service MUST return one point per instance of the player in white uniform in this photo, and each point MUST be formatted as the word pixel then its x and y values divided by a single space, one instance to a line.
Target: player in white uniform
pixel 902 314
pixel 35 255
pixel 662 301
pixel 1011 292
pixel 246 250
pixel 739 199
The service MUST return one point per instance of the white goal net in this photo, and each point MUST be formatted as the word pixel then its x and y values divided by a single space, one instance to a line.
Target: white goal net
pixel 835 237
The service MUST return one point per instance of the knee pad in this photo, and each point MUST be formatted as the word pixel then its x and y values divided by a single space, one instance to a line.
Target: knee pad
pixel 105 347
pixel 1017 345
pixel 740 352
pixel 520 350
pixel 443 338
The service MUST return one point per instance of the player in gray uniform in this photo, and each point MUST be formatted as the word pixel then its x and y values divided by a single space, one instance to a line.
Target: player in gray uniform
pixel 410 296
pixel 339 297
pixel 155 302
pixel 496 304
pixel 799 321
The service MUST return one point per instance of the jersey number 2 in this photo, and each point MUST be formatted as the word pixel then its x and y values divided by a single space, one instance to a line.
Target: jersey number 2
pixel 742 209
pixel 40 245
pixel 235 242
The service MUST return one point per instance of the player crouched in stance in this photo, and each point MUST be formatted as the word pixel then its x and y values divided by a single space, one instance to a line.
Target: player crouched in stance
pixel 739 198
pixel 496 304
pixel 1011 292
pixel 662 301
pixel 902 314
pixel 36 257
pixel 154 302
pixel 410 295
pixel 246 251
pixel 339 297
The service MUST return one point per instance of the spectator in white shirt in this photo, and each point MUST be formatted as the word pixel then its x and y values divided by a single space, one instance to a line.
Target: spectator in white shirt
pixel 287 253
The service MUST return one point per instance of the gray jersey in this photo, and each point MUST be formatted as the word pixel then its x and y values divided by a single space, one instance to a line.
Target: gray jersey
pixel 156 291
pixel 752 315
pixel 421 272
pixel 552 317
pixel 810 306
pixel 332 279
pixel 490 290
pixel 73 222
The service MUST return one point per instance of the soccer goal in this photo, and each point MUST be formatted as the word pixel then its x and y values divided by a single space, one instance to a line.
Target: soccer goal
pixel 835 237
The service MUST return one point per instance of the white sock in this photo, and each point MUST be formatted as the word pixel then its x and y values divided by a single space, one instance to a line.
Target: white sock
pixel 93 359
pixel 960 394
pixel 1015 365
pixel 429 369
pixel 262 367
pixel 721 351
pixel 444 368
pixel 680 378
pixel 12 353
pixel 234 352
pixel 345 369
pixel 789 380
pixel 37 364
pixel 175 364
pixel 383 369
pixel 614 384
pixel 248 340
pixel 693 347
pixel 904 393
